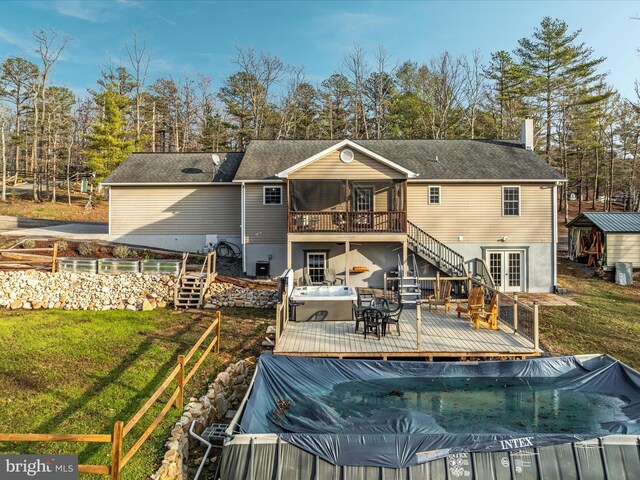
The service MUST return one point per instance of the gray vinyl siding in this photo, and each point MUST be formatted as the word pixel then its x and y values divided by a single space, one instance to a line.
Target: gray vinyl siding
pixel 265 223
pixel 175 210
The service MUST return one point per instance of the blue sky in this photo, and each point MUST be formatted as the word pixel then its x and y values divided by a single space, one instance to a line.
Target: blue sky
pixel 187 37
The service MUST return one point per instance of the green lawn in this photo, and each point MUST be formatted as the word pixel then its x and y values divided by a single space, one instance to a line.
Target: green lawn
pixel 78 372
pixel 605 322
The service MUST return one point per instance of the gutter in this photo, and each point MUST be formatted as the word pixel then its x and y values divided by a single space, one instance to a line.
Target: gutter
pixel 554 266
pixel 168 184
pixel 435 181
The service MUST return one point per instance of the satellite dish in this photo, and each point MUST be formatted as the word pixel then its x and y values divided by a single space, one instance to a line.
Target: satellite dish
pixel 216 159
pixel 346 155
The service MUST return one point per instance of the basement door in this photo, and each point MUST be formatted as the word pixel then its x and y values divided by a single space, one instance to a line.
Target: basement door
pixel 507 269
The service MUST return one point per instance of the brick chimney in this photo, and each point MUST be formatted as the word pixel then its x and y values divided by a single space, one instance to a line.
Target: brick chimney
pixel 527 133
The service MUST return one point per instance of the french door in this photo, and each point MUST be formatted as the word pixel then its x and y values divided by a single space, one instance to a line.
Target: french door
pixel 507 269
pixel 364 199
pixel 316 265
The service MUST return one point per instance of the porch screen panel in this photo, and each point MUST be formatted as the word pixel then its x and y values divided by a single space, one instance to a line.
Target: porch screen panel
pixel 317 195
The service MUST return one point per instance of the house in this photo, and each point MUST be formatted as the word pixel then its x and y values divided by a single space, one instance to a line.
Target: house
pixel 357 207
pixel 606 237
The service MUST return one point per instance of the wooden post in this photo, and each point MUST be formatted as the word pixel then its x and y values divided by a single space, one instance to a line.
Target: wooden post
pixel 419 325
pixel 55 257
pixel 116 450
pixel 436 287
pixel 347 261
pixel 278 327
pixel 536 336
pixel 515 313
pixel 219 317
pixel 384 288
pixel 405 254
pixel 180 382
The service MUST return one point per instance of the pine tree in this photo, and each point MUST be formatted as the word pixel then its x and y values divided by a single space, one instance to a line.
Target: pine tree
pixel 110 141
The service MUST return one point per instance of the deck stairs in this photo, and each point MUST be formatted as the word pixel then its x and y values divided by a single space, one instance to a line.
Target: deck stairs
pixel 435 252
pixel 191 287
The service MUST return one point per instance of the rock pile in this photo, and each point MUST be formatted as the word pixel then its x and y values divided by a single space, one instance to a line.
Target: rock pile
pixel 31 289
pixel 228 295
pixel 223 395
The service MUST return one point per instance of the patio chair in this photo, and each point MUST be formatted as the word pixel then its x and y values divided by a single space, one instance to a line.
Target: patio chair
pixel 380 303
pixel 306 278
pixel 357 316
pixel 330 277
pixel 364 298
pixel 373 319
pixel 392 317
pixel 475 302
pixel 442 296
pixel 487 317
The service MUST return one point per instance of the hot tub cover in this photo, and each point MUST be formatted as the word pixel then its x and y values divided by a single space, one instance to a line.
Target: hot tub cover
pixel 367 413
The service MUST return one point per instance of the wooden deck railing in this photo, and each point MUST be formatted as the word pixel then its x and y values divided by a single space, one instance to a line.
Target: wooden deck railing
pixel 120 429
pixel 14 258
pixel 282 316
pixel 348 221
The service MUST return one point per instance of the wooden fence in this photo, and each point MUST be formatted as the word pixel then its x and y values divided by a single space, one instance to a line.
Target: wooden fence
pixel 15 258
pixel 120 429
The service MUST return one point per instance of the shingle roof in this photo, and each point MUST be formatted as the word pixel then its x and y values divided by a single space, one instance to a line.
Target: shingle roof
pixel 175 168
pixel 431 159
pixel 609 222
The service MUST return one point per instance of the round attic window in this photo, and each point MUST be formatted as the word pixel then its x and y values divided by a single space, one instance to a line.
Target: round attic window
pixel 346 155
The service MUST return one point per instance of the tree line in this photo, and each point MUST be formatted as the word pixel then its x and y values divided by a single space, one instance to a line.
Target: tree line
pixel 583 126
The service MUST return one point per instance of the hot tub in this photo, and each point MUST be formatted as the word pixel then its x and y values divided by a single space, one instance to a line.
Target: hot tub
pixel 319 303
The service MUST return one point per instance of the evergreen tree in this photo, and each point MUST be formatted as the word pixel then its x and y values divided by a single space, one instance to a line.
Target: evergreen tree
pixel 110 142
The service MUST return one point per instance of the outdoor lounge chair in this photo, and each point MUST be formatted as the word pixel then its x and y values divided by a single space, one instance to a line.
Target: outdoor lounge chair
pixel 442 296
pixel 487 317
pixel 475 302
pixel 330 277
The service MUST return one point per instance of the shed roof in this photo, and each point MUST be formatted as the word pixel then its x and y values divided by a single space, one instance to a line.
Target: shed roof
pixel 609 222
pixel 150 168
pixel 430 159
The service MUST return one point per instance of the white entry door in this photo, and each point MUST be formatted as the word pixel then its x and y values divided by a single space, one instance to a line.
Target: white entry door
pixel 507 269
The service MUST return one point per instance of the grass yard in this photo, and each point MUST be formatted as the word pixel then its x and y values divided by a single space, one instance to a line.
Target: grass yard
pixel 61 210
pixel 78 372
pixel 605 322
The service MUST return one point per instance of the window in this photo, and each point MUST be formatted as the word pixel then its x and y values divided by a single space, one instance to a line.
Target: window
pixel 316 265
pixel 272 196
pixel 511 201
pixel 434 195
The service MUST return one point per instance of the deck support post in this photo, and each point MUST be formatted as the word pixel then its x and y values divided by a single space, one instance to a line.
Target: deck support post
pixel 418 325
pixel 384 283
pixel 289 247
pixel 515 313
pixel 405 254
pixel 347 250
pixel 536 336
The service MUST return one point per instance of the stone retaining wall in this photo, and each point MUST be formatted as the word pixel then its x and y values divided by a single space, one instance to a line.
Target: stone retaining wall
pixel 31 289
pixel 227 295
pixel 224 394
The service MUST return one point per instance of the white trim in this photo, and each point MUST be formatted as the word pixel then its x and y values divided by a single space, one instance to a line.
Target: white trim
pixel 484 180
pixel 271 180
pixel 316 252
pixel 519 201
pixel 264 192
pixel 554 226
pixel 109 227
pixel 243 218
pixel 523 287
pixel 429 202
pixel 350 144
pixel 369 188
pixel 169 184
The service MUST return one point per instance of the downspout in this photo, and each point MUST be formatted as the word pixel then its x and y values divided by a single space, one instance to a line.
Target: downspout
pixel 242 226
pixel 554 262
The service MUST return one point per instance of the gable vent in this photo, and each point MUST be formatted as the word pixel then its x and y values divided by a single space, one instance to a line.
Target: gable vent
pixel 346 155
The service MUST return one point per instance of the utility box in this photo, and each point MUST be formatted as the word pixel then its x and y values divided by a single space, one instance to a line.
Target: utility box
pixel 624 273
pixel 263 269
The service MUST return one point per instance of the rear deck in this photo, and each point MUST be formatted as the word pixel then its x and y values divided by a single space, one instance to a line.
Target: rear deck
pixel 442 335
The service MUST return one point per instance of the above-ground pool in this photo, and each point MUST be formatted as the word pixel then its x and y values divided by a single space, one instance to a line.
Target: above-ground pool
pixel 403 415
pixel 319 303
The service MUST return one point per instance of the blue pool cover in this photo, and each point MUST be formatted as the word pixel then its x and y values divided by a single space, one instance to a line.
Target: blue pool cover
pixel 400 414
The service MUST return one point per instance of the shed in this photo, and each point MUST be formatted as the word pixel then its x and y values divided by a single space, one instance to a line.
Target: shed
pixel 606 237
